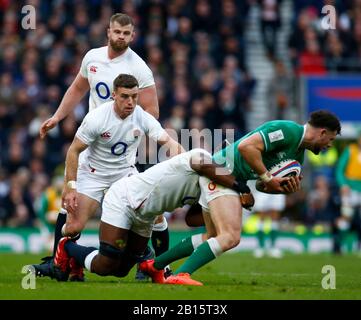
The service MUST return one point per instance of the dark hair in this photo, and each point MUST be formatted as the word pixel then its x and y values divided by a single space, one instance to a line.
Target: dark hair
pixel 122 18
pixel 125 81
pixel 325 119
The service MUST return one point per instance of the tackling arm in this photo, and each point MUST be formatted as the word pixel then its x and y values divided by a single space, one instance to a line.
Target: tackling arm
pixel 172 146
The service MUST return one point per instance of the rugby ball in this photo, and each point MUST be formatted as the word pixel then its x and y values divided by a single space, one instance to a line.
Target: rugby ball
pixel 286 168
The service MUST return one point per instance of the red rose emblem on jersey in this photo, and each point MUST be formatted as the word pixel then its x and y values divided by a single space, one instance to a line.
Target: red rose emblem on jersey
pixel 93 69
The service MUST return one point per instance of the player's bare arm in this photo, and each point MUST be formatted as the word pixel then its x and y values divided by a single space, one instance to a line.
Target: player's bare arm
pixel 172 146
pixel 204 166
pixel 149 101
pixel 72 97
pixel 251 150
pixel 69 196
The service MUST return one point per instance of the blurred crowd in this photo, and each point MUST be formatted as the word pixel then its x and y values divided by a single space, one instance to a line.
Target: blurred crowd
pixel 196 50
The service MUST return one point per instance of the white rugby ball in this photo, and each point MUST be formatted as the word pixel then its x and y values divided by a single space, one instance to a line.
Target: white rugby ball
pixel 286 168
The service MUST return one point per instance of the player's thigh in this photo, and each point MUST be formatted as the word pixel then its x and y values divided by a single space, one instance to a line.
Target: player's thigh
pixel 118 212
pixel 112 235
pixel 86 209
pixel 136 242
pixel 223 205
pixel 226 214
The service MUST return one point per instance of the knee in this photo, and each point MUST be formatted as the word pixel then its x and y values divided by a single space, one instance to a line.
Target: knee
pixel 106 267
pixel 72 229
pixel 231 240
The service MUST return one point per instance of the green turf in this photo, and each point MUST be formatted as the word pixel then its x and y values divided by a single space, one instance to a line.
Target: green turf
pixel 232 276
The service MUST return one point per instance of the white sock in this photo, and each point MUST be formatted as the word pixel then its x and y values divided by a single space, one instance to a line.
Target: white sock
pixel 89 258
pixel 161 226
pixel 196 240
pixel 215 246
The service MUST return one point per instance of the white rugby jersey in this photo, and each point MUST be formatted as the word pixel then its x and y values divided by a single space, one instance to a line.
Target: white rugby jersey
pixel 113 141
pixel 163 187
pixel 101 72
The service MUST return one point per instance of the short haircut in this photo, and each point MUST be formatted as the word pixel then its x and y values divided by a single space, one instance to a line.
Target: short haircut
pixel 125 81
pixel 325 119
pixel 122 18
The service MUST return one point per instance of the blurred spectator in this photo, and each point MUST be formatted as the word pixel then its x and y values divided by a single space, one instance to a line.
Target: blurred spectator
pixel 323 164
pixel 268 206
pixel 279 92
pixel 324 207
pixel 270 23
pixel 348 174
pixel 18 207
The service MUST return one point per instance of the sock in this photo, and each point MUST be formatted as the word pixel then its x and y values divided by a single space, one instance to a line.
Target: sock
pixel 89 258
pixel 273 233
pixel 179 251
pixel 60 221
pixel 160 237
pixel 78 252
pixel 205 253
pixel 160 241
pixel 261 236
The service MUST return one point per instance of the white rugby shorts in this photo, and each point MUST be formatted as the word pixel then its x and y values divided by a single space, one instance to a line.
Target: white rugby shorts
pixel 95 186
pixel 211 191
pixel 118 212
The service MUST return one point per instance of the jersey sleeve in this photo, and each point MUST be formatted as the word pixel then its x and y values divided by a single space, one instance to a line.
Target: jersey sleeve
pixel 152 127
pixel 144 75
pixel 84 65
pixel 87 132
pixel 280 136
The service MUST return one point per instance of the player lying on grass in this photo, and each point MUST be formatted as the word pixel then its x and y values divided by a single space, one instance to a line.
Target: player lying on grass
pixel 248 158
pixel 131 205
pixel 109 136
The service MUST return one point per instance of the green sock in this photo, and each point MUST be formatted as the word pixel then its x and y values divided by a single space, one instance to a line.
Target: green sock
pixel 202 255
pixel 181 250
pixel 273 236
pixel 261 238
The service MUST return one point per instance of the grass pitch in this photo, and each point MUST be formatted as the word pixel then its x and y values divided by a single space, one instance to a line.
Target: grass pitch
pixel 232 276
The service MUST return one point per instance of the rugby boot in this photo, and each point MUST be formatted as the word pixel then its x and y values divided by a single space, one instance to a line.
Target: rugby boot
pixel 147 267
pixel 44 269
pixel 76 271
pixel 182 279
pixel 61 268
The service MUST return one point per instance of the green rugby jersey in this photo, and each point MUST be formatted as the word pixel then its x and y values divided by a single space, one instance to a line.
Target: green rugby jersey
pixel 281 140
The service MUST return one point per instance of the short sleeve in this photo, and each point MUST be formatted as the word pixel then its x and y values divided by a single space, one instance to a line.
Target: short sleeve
pixel 87 132
pixel 84 66
pixel 144 75
pixel 277 136
pixel 152 127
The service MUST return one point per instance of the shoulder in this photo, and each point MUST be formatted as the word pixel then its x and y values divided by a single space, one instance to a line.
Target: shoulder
pixel 142 116
pixel 136 60
pixel 283 125
pixel 96 53
pixel 99 112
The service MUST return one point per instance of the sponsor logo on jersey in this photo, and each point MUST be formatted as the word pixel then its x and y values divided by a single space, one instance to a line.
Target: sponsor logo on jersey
pixel 105 135
pixel 93 69
pixel 212 186
pixel 276 136
pixel 281 155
